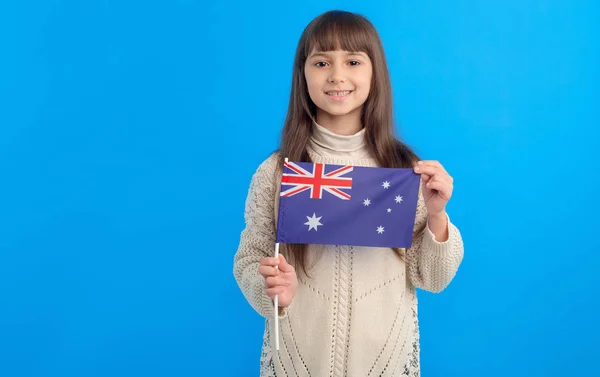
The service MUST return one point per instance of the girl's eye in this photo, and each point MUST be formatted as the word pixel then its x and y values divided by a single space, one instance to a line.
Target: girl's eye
pixel 354 62
pixel 320 64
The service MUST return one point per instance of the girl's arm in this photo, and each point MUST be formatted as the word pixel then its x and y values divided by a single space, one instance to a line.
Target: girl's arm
pixel 257 240
pixel 436 252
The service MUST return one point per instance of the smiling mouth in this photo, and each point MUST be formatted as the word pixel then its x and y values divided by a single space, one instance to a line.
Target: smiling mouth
pixel 338 93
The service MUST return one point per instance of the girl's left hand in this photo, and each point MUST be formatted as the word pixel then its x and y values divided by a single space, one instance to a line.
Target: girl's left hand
pixel 437 186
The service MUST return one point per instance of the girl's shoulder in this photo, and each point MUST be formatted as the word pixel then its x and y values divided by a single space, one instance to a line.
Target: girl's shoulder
pixel 269 165
pixel 267 171
pixel 271 162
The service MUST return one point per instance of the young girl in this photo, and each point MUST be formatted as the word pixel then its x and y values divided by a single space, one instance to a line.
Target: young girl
pixel 343 310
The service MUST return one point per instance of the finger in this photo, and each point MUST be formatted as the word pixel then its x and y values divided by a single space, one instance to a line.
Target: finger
pixel 444 189
pixel 442 178
pixel 431 164
pixel 437 182
pixel 271 292
pixel 284 266
pixel 425 178
pixel 267 271
pixel 429 170
pixel 273 282
pixel 269 261
pixel 434 163
pixel 435 172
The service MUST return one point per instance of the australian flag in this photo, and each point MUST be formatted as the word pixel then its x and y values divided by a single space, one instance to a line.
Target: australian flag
pixel 347 205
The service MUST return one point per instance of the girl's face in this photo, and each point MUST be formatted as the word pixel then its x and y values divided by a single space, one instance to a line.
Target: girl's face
pixel 338 81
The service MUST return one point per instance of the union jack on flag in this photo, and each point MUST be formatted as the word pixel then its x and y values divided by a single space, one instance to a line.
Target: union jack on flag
pixel 380 212
pixel 316 180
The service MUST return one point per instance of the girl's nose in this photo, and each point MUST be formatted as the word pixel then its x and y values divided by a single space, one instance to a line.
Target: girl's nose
pixel 335 79
pixel 335 75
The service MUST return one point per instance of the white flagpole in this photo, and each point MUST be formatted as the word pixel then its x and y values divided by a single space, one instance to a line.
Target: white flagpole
pixel 276 310
pixel 276 301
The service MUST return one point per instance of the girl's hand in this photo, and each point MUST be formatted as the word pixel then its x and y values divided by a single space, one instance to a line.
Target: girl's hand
pixel 437 187
pixel 282 281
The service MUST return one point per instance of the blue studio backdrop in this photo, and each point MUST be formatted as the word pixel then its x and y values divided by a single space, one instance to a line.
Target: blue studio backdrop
pixel 129 131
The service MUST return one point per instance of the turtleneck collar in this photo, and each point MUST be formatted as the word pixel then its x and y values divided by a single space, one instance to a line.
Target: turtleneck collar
pixel 328 143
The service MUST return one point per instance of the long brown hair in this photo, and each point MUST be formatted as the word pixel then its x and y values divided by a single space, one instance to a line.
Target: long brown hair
pixel 341 30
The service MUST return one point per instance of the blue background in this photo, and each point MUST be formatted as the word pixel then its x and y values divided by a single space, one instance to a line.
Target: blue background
pixel 129 131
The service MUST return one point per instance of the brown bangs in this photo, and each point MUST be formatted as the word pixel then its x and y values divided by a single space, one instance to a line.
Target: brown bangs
pixel 338 31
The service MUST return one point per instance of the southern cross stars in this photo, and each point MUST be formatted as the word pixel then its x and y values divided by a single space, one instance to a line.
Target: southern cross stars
pixel 313 222
pixel 398 199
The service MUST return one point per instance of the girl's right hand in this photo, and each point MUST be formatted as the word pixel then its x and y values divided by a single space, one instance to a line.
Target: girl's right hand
pixel 282 281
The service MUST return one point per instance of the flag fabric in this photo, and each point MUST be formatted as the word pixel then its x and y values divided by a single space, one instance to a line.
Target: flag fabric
pixel 347 205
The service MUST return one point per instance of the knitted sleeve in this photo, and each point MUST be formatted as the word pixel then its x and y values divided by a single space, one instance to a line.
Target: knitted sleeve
pixel 431 264
pixel 257 239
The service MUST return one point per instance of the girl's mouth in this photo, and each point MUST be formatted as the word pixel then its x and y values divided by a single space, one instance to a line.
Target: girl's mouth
pixel 339 95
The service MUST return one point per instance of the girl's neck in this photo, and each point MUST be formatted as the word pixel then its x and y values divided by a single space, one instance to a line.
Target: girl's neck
pixel 326 143
pixel 348 124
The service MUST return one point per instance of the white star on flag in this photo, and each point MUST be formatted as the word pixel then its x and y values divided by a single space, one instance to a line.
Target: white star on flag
pixel 386 185
pixel 399 199
pixel 380 230
pixel 367 202
pixel 313 222
pixel 389 210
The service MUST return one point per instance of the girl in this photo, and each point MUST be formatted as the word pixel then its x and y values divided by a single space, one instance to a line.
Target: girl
pixel 343 310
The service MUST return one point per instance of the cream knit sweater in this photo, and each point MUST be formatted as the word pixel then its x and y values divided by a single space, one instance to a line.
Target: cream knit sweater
pixel 356 315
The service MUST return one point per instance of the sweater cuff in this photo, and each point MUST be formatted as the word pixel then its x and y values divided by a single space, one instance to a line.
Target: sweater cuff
pixel 283 312
pixel 267 305
pixel 430 243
